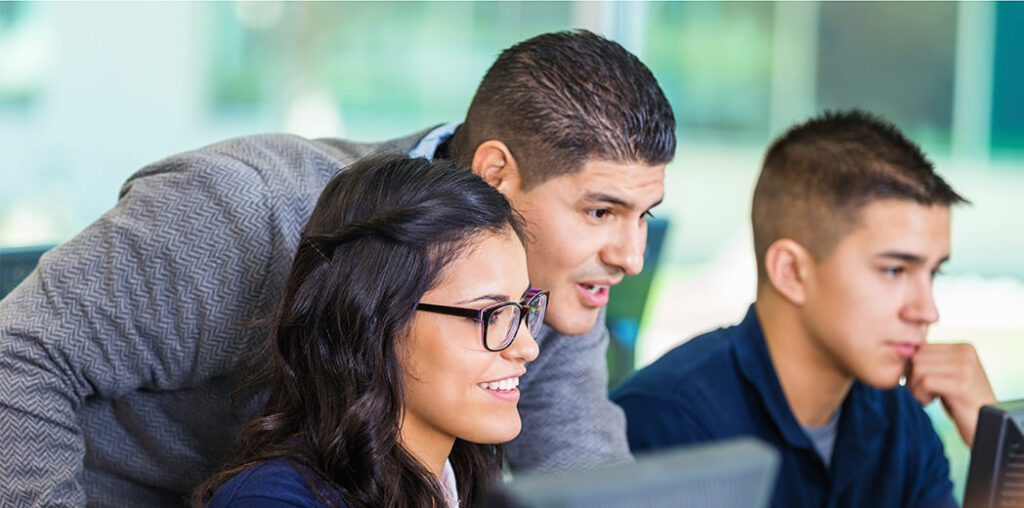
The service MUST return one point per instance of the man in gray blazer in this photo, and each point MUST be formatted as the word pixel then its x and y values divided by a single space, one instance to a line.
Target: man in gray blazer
pixel 121 355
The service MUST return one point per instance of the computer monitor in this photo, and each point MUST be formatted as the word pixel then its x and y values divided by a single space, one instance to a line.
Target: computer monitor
pixel 627 303
pixel 16 263
pixel 995 477
pixel 738 473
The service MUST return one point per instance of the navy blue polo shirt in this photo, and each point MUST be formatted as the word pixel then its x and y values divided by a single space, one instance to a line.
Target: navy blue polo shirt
pixel 722 385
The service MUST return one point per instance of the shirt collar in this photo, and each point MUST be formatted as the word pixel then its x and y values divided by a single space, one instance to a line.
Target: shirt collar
pixel 861 423
pixel 756 366
pixel 448 486
pixel 426 147
pixel 862 427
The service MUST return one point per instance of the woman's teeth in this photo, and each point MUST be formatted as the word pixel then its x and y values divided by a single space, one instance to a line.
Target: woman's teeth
pixel 504 385
pixel 594 289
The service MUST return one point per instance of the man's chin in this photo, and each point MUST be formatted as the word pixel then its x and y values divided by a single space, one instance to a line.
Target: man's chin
pixel 881 381
pixel 578 322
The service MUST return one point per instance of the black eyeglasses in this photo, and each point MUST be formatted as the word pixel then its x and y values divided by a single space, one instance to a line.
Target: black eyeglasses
pixel 499 323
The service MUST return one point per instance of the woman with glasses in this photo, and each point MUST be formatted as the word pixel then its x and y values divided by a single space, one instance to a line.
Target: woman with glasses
pixel 396 348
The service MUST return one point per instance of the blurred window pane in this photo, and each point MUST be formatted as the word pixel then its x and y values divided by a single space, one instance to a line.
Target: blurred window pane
pixel 24 53
pixel 895 59
pixel 713 61
pixel 387 67
pixel 1008 82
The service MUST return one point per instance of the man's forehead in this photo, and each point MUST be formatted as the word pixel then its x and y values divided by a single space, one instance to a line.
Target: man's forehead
pixel 903 226
pixel 892 215
pixel 635 170
pixel 625 181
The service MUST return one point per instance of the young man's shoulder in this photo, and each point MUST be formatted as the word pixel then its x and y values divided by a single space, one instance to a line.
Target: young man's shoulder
pixel 683 397
pixel 705 360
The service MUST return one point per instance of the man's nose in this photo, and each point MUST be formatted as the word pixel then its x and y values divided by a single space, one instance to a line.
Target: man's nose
pixel 626 250
pixel 921 307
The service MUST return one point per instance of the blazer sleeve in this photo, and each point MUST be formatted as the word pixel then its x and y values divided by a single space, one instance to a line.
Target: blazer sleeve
pixel 568 420
pixel 142 299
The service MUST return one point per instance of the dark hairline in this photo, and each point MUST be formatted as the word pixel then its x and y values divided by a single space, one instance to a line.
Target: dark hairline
pixel 896 166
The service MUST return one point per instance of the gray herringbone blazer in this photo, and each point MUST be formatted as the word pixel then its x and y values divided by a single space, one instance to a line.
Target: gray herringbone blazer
pixel 118 355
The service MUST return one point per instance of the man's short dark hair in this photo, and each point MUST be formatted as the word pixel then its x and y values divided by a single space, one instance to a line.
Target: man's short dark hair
pixel 819 175
pixel 561 99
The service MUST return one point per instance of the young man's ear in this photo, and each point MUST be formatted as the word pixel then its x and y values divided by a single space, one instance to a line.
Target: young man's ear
pixel 787 264
pixel 493 162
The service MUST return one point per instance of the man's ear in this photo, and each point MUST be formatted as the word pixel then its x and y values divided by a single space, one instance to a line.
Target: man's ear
pixel 788 265
pixel 493 162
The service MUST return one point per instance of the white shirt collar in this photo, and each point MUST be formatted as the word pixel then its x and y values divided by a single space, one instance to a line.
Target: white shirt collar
pixel 451 491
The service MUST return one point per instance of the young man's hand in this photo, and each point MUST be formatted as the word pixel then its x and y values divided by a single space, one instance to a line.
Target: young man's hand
pixel 953 373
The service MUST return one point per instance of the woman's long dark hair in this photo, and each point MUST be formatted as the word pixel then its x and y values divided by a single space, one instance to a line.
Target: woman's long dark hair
pixel 380 236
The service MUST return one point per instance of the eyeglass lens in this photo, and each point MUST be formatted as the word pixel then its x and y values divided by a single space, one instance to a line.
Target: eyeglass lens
pixel 503 324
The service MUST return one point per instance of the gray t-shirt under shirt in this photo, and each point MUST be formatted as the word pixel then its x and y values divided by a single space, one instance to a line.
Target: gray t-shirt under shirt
pixel 824 437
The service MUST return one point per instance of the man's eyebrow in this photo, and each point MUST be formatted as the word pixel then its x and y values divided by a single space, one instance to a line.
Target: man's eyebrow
pixel 906 257
pixel 604 197
pixel 494 298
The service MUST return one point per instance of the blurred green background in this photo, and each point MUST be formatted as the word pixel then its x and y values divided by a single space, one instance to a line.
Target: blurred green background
pixel 91 92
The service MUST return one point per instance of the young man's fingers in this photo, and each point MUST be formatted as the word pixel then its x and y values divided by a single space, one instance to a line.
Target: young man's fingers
pixel 960 352
pixel 957 360
pixel 921 369
pixel 925 367
pixel 922 389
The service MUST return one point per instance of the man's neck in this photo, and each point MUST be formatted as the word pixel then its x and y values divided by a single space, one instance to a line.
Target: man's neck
pixel 451 148
pixel 813 385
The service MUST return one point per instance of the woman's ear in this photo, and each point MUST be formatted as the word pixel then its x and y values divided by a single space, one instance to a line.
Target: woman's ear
pixel 788 265
pixel 493 162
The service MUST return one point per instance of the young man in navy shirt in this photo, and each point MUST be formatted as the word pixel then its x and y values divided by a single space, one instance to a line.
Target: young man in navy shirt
pixel 851 224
